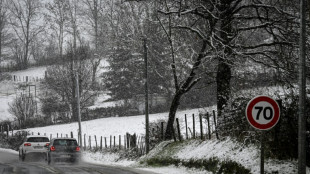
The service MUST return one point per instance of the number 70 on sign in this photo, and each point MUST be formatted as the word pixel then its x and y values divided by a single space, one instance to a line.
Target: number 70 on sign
pixel 263 112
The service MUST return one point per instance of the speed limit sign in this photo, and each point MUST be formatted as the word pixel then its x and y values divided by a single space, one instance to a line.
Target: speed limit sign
pixel 263 112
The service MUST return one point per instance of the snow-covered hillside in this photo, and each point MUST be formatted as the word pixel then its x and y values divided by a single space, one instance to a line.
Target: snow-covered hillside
pixel 9 88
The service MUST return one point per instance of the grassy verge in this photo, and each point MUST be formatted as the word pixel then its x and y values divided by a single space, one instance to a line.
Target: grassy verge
pixel 212 165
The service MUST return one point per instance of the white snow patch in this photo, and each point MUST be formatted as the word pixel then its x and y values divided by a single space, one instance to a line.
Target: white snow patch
pixel 106 159
pixel 175 170
pixel 32 72
pixel 8 150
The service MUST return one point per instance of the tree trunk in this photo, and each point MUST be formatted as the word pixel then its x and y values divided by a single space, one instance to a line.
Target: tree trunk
pixel 184 88
pixel 223 85
pixel 95 66
pixel 173 109
pixel 224 68
pixel 0 45
pixel 73 102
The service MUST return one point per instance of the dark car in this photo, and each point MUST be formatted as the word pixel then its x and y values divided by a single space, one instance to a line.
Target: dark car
pixel 63 149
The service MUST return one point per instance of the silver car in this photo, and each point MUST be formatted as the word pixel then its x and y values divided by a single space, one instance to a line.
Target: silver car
pixel 35 144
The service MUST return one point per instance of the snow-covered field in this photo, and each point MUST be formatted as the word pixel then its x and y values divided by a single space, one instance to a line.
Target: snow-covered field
pixel 115 126
pixel 31 72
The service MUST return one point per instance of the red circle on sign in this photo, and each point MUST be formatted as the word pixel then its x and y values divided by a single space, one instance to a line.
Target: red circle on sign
pixel 250 107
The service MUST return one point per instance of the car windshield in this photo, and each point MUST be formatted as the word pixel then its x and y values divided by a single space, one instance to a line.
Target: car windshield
pixel 37 139
pixel 65 142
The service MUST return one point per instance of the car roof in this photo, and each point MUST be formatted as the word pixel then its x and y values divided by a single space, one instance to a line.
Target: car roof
pixel 30 136
pixel 63 138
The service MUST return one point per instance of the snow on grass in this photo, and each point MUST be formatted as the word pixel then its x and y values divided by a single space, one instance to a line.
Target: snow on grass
pixel 175 170
pixel 31 72
pixel 227 149
pixel 4 109
pixel 106 158
pixel 9 151
pixel 9 89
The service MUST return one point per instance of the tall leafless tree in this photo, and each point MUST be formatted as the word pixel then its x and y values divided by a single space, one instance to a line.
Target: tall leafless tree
pixel 94 14
pixel 23 108
pixel 3 22
pixel 24 17
pixel 59 80
pixel 58 18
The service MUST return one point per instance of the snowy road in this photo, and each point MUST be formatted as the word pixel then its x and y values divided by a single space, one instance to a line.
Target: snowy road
pixel 9 164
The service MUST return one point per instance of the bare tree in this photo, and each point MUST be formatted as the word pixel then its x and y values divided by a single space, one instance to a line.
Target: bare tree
pixel 5 35
pixel 94 14
pixel 23 108
pixel 59 80
pixel 3 20
pixel 58 18
pixel 25 14
pixel 73 28
pixel 234 31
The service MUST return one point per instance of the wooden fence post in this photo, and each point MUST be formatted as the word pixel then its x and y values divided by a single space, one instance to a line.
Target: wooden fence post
pixel 105 142
pixel 114 141
pixel 162 130
pixel 89 142
pixel 179 132
pixel 101 143
pixel 209 131
pixel 201 128
pixel 84 142
pixel 194 131
pixel 186 126
pixel 110 141
pixel 120 142
pixel 128 140
pixel 173 133
pixel 96 142
pixel 124 142
pixel 215 126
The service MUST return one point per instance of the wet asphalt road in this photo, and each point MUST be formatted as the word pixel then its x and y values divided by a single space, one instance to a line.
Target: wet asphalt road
pixel 10 164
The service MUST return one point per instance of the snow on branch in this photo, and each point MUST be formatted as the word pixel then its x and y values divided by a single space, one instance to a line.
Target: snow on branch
pixel 264 45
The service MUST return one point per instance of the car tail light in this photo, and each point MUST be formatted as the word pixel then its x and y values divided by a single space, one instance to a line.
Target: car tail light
pixel 77 148
pixel 47 144
pixel 52 148
pixel 27 144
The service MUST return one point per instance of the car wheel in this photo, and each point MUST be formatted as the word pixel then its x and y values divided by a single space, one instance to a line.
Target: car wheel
pixel 50 160
pixel 19 156
pixel 74 160
pixel 23 156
